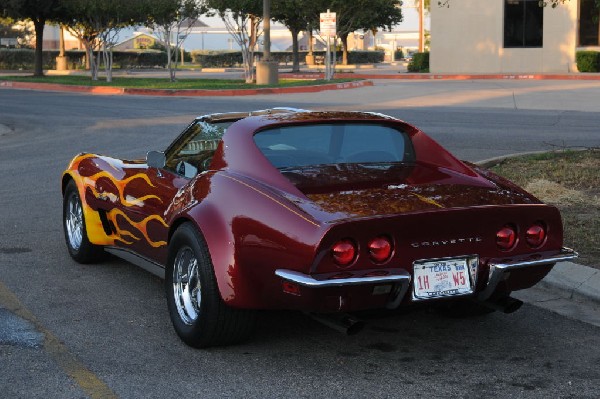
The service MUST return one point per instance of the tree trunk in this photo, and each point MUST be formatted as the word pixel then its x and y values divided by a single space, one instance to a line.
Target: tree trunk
pixel 295 55
pixel 95 64
pixel 344 38
pixel 39 42
pixel 108 61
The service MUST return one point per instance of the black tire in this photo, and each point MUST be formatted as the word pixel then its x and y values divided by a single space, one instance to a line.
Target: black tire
pixel 199 315
pixel 464 308
pixel 80 248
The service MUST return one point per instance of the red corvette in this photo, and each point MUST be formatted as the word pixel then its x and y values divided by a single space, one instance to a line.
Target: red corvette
pixel 324 212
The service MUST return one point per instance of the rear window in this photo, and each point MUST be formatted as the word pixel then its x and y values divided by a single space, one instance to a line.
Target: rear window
pixel 334 143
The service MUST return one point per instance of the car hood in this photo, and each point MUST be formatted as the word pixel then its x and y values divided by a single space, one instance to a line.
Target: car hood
pixel 345 191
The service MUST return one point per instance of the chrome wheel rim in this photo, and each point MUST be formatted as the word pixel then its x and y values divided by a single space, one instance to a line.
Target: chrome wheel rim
pixel 186 285
pixel 74 222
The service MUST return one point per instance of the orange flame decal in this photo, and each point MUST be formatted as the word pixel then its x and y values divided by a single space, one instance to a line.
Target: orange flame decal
pixel 141 226
pixel 121 185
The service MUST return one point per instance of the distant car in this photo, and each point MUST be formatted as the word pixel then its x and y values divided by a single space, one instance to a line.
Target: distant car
pixel 324 212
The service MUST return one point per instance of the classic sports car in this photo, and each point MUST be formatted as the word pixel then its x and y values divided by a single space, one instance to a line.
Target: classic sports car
pixel 324 212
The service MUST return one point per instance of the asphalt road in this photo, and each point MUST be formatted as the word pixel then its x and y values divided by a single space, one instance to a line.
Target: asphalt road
pixel 71 331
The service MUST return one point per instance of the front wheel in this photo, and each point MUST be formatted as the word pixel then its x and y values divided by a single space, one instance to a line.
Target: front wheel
pixel 199 315
pixel 80 248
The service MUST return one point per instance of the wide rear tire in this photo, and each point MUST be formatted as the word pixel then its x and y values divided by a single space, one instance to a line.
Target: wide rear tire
pixel 199 315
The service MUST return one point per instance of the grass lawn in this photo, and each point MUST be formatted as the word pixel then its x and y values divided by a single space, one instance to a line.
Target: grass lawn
pixel 571 181
pixel 164 83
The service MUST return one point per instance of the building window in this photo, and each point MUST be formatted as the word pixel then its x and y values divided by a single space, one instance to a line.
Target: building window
pixel 589 23
pixel 523 23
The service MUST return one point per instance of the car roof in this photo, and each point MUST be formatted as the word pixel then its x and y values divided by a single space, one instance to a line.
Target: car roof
pixel 290 114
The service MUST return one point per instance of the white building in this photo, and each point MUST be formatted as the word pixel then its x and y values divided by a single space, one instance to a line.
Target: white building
pixel 511 36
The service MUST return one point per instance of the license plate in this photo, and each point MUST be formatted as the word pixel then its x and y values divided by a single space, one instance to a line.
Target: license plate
pixel 441 278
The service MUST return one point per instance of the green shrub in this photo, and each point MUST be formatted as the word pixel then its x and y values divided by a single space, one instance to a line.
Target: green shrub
pixel 398 54
pixel 139 59
pixel 588 61
pixel 216 59
pixel 419 63
pixel 227 59
pixel 14 59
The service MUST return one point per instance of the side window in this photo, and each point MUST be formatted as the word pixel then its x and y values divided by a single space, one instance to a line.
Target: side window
pixel 193 153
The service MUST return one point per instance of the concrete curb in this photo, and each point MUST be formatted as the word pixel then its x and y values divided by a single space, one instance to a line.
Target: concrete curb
pixel 183 92
pixel 577 281
pixel 428 76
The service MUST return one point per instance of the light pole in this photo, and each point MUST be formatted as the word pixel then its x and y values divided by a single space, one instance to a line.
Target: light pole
pixel 266 70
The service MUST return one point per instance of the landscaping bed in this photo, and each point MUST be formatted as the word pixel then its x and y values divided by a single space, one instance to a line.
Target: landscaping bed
pixel 164 83
pixel 570 180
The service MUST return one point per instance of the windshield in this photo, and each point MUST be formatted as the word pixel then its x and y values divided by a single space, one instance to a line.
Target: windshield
pixel 192 153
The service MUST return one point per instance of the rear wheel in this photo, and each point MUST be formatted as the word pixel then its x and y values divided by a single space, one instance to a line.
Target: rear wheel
pixel 76 237
pixel 199 315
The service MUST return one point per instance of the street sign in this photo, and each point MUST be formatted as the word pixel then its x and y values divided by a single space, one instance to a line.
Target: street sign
pixel 328 24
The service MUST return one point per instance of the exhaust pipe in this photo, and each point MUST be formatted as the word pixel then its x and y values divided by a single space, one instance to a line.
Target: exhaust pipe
pixel 505 304
pixel 341 322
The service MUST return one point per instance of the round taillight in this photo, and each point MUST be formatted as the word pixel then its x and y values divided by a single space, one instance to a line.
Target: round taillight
pixel 380 249
pixel 343 252
pixel 535 235
pixel 506 238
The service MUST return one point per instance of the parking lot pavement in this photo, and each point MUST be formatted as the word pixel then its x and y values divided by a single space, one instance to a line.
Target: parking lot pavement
pixel 570 290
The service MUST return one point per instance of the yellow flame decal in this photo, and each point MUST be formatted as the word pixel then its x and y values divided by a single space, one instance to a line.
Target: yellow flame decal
pixel 122 234
pixel 121 185
pixel 141 226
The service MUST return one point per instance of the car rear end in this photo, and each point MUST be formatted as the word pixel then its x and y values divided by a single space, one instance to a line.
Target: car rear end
pixel 480 253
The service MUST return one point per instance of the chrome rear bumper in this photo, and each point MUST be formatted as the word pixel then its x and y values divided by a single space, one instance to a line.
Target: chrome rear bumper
pixel 499 271
pixel 400 278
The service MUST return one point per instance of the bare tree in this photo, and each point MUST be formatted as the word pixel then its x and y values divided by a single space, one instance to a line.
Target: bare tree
pixel 97 24
pixel 242 19
pixel 172 21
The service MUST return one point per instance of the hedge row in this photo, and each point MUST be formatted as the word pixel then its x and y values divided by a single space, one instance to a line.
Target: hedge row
pixel 25 59
pixel 223 59
pixel 419 63
pixel 588 61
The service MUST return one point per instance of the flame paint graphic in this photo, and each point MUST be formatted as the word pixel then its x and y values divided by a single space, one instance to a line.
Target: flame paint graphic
pixel 140 226
pixel 114 215
pixel 121 185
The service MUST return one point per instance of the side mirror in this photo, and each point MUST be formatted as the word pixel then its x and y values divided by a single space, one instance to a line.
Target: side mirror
pixel 156 159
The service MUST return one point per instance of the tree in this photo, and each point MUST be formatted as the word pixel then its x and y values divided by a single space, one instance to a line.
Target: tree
pixel 21 31
pixel 296 16
pixel 38 11
pixel 242 19
pixel 172 21
pixel 351 16
pixel 97 24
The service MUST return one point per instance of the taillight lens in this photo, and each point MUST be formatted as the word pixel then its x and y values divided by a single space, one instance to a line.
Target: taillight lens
pixel 380 249
pixel 343 252
pixel 535 235
pixel 506 237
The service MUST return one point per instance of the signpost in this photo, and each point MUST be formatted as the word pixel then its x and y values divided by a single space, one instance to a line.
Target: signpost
pixel 328 28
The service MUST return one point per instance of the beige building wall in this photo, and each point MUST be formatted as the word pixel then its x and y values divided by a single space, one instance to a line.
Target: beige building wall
pixel 468 37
